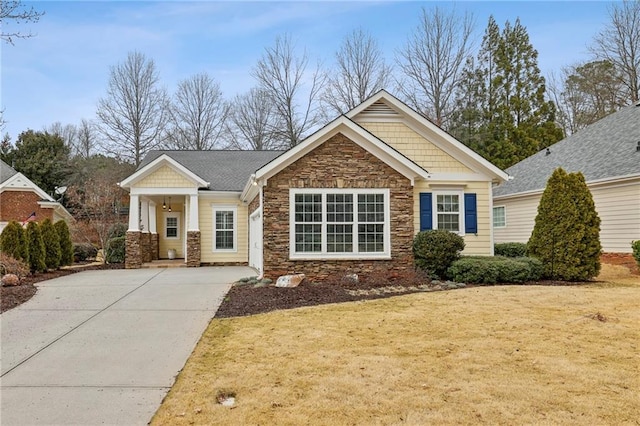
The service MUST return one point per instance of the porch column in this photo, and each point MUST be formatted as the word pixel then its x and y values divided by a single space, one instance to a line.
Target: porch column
pixel 153 229
pixel 193 232
pixel 134 213
pixel 133 247
pixel 144 210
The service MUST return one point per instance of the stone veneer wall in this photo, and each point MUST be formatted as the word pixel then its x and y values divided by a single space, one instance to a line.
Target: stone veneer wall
pixel 155 246
pixel 254 204
pixel 338 163
pixel 146 247
pixel 193 248
pixel 133 250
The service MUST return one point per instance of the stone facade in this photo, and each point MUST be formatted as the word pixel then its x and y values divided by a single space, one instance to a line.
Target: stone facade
pixel 155 246
pixel 338 163
pixel 254 204
pixel 193 248
pixel 145 242
pixel 18 205
pixel 133 250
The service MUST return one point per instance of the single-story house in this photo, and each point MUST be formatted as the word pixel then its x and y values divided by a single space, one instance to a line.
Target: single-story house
pixel 349 198
pixel 608 154
pixel 22 200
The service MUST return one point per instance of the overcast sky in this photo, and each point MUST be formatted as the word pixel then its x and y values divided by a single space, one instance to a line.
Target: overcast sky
pixel 60 74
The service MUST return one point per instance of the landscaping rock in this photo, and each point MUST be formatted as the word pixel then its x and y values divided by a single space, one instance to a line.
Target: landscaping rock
pixel 10 280
pixel 290 280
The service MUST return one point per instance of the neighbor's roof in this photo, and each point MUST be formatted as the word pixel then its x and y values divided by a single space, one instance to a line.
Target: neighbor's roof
pixel 224 170
pixel 6 171
pixel 605 149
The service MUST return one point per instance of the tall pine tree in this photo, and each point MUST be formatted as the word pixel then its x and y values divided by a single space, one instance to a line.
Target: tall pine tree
pixel 502 112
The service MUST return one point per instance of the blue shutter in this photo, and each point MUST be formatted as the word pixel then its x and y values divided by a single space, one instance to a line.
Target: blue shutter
pixel 426 217
pixel 470 214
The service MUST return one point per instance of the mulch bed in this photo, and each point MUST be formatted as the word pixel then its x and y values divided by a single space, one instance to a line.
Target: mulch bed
pixel 10 297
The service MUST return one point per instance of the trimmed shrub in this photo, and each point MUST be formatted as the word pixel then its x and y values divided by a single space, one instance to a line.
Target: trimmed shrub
pixel 116 249
pixel 635 246
pixel 51 240
pixel 117 230
pixel 36 248
pixel 13 241
pixel 435 250
pixel 11 265
pixel 510 249
pixel 494 270
pixel 566 236
pixel 66 246
pixel 84 251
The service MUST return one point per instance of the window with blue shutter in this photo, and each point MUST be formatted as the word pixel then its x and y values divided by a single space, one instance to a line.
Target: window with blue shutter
pixel 426 215
pixel 470 214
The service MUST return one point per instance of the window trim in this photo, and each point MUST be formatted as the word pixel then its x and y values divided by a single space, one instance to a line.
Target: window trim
pixel 493 221
pixel 323 254
pixel 461 210
pixel 176 215
pixel 224 208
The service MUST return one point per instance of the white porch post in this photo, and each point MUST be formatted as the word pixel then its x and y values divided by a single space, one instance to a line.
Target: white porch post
pixel 194 225
pixel 145 216
pixel 153 228
pixel 134 212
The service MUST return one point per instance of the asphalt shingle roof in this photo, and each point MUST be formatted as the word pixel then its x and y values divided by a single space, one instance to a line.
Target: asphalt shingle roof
pixel 605 149
pixel 224 170
pixel 6 171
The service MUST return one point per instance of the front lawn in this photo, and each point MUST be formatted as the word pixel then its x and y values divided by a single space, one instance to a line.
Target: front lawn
pixel 495 355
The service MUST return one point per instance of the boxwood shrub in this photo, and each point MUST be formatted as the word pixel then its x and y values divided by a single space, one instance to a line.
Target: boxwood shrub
pixel 494 270
pixel 510 249
pixel 435 250
pixel 635 246
pixel 116 251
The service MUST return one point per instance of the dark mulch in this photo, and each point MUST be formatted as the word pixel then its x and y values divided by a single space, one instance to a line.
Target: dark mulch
pixel 10 297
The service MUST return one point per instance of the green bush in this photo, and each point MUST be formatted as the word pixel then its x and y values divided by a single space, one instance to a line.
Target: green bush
pixel 116 249
pixel 635 246
pixel 66 246
pixel 494 270
pixel 510 249
pixel 566 235
pixel 117 230
pixel 51 240
pixel 84 251
pixel 36 248
pixel 435 250
pixel 13 241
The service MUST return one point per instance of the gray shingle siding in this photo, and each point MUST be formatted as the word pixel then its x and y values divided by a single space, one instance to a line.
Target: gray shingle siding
pixel 224 170
pixel 604 150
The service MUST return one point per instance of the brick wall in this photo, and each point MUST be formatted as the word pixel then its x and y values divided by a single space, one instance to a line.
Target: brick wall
pixel 18 205
pixel 338 163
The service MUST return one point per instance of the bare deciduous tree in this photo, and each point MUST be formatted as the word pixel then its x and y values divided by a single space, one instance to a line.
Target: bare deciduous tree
pixel 432 61
pixel 134 113
pixel 253 122
pixel 17 12
pixel 281 74
pixel 66 132
pixel 360 72
pixel 619 43
pixel 198 114
pixel 85 138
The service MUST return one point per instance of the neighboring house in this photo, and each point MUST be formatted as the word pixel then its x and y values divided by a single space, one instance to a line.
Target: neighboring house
pixel 22 200
pixel 349 198
pixel 608 154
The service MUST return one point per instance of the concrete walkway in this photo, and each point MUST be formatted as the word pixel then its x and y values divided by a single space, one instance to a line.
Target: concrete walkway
pixel 104 347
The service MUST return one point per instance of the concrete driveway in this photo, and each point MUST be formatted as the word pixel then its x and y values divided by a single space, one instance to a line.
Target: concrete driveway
pixel 104 347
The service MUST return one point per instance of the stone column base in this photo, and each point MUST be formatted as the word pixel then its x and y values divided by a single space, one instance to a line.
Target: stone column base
pixel 133 250
pixel 193 248
pixel 155 246
pixel 146 247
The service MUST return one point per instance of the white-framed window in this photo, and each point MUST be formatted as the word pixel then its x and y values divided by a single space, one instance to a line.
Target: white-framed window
pixel 225 228
pixel 448 211
pixel 499 216
pixel 172 226
pixel 339 223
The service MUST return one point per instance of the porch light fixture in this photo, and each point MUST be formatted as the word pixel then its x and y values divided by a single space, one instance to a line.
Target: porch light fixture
pixel 169 203
pixel 164 204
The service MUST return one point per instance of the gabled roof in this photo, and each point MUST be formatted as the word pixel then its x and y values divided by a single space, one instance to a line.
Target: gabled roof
pixel 384 106
pixel 606 149
pixel 6 171
pixel 354 132
pixel 223 170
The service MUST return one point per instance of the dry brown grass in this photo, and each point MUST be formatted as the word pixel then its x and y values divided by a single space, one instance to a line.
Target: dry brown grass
pixel 494 355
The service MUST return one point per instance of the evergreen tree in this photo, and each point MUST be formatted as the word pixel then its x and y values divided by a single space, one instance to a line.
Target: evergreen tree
pixel 566 232
pixel 36 248
pixel 66 246
pixel 51 240
pixel 502 112
pixel 13 242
